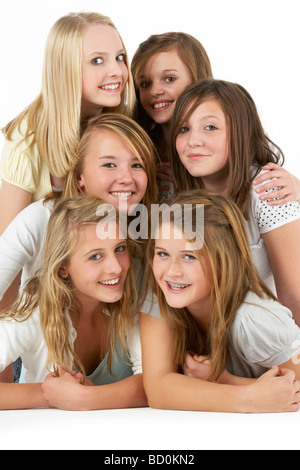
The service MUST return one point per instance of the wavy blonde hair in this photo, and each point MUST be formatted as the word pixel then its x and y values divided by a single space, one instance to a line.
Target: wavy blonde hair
pixel 54 296
pixel 231 273
pixel 53 119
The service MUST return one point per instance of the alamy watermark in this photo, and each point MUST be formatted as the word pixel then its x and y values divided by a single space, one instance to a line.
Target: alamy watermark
pixel 139 224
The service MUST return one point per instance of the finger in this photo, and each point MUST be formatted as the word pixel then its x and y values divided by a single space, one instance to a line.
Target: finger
pixel 279 202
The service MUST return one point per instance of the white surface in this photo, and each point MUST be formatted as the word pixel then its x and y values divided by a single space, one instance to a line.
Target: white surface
pixel 148 429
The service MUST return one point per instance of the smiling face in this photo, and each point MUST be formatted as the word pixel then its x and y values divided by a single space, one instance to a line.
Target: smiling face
pixel 180 274
pixel 161 81
pixel 202 145
pixel 104 70
pixel 97 268
pixel 112 171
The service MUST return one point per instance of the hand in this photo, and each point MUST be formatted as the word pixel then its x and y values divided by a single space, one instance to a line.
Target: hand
pixel 64 392
pixel 164 173
pixel 196 366
pixel 288 185
pixel 276 391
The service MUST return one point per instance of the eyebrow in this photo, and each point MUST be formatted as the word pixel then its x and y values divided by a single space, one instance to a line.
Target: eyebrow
pixel 121 51
pixel 94 250
pixel 114 157
pixel 183 251
pixel 162 72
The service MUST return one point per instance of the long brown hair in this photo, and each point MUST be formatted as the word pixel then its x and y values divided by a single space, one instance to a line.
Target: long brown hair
pixel 54 296
pixel 248 144
pixel 232 274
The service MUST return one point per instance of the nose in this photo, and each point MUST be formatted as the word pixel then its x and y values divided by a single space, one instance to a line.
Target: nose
pixel 113 267
pixel 114 68
pixel 157 88
pixel 124 175
pixel 174 269
pixel 195 139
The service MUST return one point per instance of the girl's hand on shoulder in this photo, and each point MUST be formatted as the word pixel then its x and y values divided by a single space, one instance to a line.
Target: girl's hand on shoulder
pixel 277 177
pixel 196 366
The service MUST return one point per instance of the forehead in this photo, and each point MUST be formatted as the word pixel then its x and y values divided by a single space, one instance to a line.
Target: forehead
pixel 101 38
pixel 163 61
pixel 209 107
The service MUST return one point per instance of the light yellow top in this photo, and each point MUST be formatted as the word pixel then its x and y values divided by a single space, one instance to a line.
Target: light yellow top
pixel 24 167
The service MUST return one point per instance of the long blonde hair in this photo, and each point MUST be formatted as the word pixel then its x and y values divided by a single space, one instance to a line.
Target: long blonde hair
pixel 53 295
pixel 53 119
pixel 232 274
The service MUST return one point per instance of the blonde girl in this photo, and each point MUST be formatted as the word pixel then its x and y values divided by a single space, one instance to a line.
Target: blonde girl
pixel 76 311
pixel 219 322
pixel 85 73
pixel 128 169
pixel 219 144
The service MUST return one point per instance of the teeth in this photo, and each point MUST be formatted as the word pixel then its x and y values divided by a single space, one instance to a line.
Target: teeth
pixel 111 87
pixel 161 105
pixel 121 194
pixel 111 282
pixel 177 286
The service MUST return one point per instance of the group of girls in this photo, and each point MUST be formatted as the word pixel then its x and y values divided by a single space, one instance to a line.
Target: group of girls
pixel 111 322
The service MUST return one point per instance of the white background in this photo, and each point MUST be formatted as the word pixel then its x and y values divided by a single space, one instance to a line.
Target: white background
pixel 251 42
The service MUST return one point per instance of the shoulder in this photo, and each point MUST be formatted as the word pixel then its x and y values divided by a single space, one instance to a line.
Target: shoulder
pixel 264 330
pixel 269 217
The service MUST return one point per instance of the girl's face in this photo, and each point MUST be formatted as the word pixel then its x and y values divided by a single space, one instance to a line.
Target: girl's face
pixel 112 171
pixel 179 272
pixel 97 269
pixel 162 80
pixel 104 71
pixel 202 144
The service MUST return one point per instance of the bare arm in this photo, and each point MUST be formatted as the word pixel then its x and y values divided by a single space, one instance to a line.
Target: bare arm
pixel 283 246
pixel 66 393
pixel 21 396
pixel 167 389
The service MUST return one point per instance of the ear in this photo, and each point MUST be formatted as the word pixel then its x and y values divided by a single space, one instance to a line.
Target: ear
pixel 81 182
pixel 63 273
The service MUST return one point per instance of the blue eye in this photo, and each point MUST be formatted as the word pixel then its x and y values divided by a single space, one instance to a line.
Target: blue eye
pixel 189 257
pixel 162 254
pixel 95 257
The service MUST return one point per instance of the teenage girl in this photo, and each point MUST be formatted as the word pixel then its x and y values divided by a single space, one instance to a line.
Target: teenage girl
pixel 219 144
pixel 163 66
pixel 115 161
pixel 219 322
pixel 85 73
pixel 76 311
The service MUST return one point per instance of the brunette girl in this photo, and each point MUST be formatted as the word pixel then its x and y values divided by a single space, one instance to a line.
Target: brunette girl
pixel 219 322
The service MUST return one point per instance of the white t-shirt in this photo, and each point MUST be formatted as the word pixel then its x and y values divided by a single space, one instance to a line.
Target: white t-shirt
pixel 262 335
pixel 262 219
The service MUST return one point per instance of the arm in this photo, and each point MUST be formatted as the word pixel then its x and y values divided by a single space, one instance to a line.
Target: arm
pixel 12 201
pixel 65 392
pixel 167 389
pixel 283 249
pixel 288 183
pixel 21 396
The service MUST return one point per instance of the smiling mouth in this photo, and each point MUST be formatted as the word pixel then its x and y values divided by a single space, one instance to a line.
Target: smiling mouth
pixel 162 106
pixel 110 87
pixel 175 287
pixel 122 194
pixel 111 282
